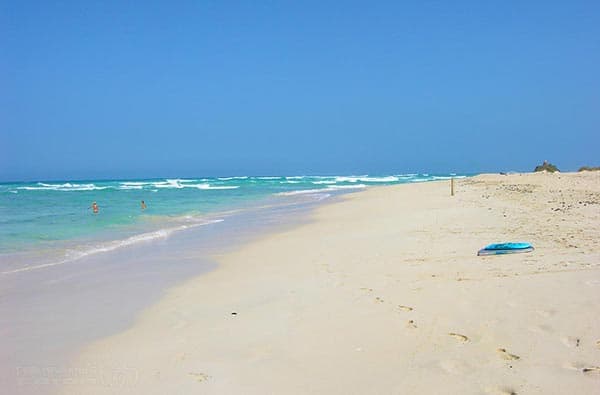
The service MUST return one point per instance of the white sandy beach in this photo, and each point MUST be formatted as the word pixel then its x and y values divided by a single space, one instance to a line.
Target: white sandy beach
pixel 382 292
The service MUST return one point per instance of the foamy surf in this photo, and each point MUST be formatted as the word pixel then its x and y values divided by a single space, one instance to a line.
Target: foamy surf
pixel 208 186
pixel 301 192
pixel 232 178
pixel 324 182
pixel 366 179
pixel 62 187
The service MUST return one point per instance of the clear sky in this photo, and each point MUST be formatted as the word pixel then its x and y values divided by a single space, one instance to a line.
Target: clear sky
pixel 103 89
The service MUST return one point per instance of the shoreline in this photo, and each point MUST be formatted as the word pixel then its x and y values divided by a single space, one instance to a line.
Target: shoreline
pixel 382 282
pixel 155 229
pixel 49 315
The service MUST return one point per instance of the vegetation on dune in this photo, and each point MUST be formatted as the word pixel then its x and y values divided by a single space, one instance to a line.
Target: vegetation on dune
pixel 589 168
pixel 549 167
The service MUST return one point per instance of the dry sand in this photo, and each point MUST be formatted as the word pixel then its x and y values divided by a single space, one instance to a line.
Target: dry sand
pixel 383 293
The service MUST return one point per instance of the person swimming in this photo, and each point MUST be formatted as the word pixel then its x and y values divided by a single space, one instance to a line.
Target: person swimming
pixel 143 205
pixel 95 208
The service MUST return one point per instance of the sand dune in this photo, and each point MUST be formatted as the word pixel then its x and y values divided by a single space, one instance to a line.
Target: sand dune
pixel 383 293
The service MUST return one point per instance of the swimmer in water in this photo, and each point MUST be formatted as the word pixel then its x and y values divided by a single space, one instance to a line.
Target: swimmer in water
pixel 143 205
pixel 95 207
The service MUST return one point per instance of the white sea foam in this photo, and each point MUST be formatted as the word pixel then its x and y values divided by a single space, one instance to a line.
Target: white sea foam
pixel 62 187
pixel 208 186
pixel 324 182
pixel 301 192
pixel 73 255
pixel 321 190
pixel 366 179
pixel 232 178
pixel 347 178
pixel 136 183
pixel 181 180
pixel 268 178
pixel 179 184
pixel 167 184
pixel 380 179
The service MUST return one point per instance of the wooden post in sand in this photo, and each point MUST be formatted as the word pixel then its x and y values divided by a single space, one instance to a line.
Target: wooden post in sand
pixel 452 186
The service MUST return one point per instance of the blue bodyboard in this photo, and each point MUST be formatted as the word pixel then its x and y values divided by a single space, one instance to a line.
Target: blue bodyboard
pixel 505 248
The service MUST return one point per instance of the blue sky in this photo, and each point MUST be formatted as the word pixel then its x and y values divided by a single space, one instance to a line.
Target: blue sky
pixel 153 89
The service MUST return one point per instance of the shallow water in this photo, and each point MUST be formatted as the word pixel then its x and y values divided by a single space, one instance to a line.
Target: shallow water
pixel 46 315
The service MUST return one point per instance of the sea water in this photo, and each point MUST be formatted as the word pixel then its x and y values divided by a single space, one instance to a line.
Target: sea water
pixel 47 223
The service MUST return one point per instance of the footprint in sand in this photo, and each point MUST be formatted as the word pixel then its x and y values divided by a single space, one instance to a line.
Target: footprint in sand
pixel 598 343
pixel 411 324
pixel 570 341
pixel 591 369
pixel 405 308
pixel 200 377
pixel 378 299
pixel 584 368
pixel 506 355
pixel 459 336
pixel 501 391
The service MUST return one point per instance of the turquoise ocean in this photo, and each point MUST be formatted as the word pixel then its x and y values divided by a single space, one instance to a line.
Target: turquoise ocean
pixel 47 221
